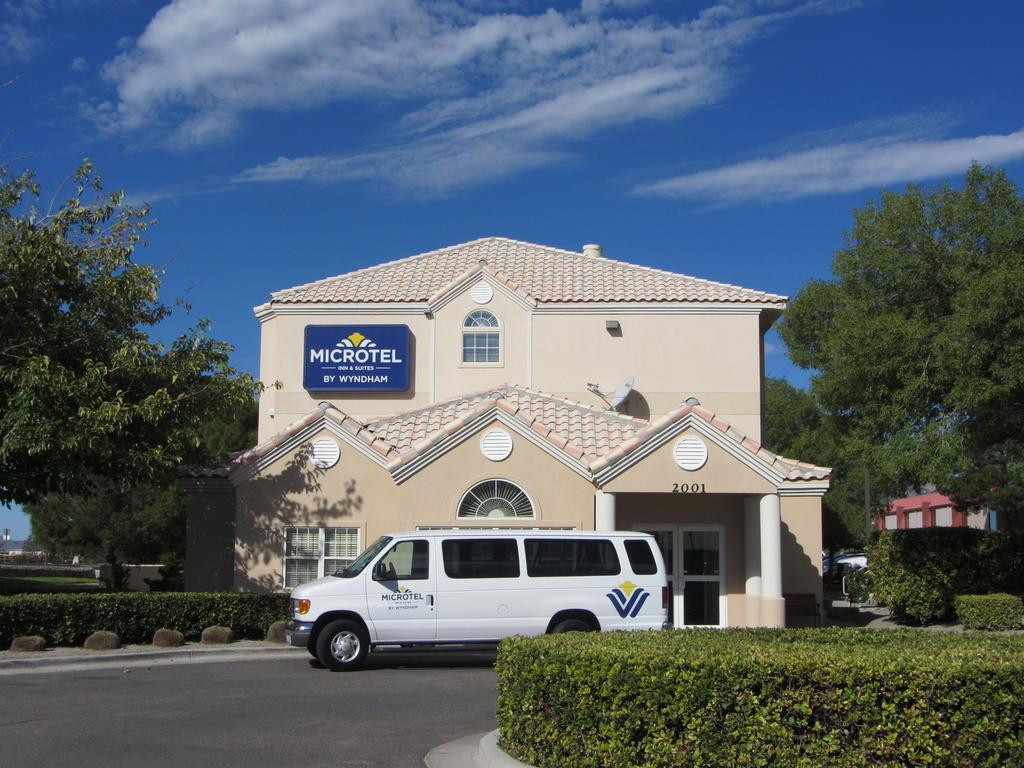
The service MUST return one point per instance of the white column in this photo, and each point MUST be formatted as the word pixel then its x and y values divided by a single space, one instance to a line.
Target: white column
pixel 773 608
pixel 771 546
pixel 752 559
pixel 604 511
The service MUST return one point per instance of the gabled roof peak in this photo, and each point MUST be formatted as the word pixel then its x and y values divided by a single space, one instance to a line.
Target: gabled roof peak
pixel 593 439
pixel 540 273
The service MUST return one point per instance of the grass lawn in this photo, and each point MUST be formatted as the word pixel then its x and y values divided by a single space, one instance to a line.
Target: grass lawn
pixel 13 584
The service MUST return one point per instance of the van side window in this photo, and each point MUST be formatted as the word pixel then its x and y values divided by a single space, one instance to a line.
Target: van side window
pixel 641 558
pixel 407 560
pixel 480 558
pixel 571 557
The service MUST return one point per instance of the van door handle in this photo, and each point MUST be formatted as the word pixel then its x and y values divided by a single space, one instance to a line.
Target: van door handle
pixel 430 600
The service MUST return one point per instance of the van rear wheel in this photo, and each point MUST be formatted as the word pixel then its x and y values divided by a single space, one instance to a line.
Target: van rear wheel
pixel 342 645
pixel 571 625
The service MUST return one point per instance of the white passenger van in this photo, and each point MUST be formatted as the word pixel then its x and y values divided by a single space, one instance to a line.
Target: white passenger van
pixel 463 588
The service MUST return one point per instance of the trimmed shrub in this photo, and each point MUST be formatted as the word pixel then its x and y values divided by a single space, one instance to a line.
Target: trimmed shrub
pixel 135 616
pixel 168 638
pixel 275 632
pixel 919 572
pixel 102 641
pixel 801 697
pixel 218 636
pixel 28 644
pixel 860 584
pixel 998 611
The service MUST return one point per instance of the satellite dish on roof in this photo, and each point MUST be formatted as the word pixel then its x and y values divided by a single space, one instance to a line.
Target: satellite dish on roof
pixel 620 394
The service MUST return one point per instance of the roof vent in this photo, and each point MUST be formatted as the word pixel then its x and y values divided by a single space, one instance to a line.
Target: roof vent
pixel 592 250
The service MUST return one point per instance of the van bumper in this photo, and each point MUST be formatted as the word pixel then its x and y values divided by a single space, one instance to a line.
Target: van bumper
pixel 297 633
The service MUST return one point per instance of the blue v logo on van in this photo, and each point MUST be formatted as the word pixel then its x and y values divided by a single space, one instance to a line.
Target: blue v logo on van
pixel 628 599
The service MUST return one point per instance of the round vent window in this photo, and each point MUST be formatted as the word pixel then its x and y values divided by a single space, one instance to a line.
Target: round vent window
pixel 481 293
pixel 690 453
pixel 496 444
pixel 495 498
pixel 324 452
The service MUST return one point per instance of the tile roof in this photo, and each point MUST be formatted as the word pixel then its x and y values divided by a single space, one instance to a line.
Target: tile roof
pixel 594 438
pixel 540 273
pixel 587 432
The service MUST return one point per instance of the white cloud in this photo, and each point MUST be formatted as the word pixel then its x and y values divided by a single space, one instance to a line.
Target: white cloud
pixel 840 167
pixel 18 42
pixel 24 32
pixel 78 64
pixel 482 91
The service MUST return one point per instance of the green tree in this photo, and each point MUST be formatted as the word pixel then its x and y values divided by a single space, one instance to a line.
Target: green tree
pixel 796 426
pixel 134 522
pixel 918 341
pixel 85 393
pixel 95 416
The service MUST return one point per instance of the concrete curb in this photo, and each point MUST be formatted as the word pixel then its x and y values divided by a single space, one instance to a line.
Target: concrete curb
pixel 475 751
pixel 170 655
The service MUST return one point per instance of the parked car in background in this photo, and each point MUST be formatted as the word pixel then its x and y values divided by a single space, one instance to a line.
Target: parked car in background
pixel 836 567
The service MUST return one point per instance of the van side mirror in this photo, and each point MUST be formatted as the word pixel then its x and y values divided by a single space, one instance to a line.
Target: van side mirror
pixel 380 571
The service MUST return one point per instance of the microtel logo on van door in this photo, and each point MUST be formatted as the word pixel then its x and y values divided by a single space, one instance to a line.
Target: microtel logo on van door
pixel 628 599
pixel 402 594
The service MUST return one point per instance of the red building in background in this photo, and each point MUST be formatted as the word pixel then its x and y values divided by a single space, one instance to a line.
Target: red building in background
pixel 933 510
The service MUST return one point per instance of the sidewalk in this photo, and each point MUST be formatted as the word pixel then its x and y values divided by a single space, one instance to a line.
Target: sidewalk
pixel 479 750
pixel 63 659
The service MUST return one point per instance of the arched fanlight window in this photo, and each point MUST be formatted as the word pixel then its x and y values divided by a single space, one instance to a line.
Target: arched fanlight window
pixel 495 498
pixel 481 338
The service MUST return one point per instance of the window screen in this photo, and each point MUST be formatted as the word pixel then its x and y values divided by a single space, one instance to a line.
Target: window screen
pixel 571 557
pixel 341 547
pixel 481 339
pixel 641 558
pixel 480 558
pixel 301 556
pixel 480 348
pixel 310 553
pixel 407 560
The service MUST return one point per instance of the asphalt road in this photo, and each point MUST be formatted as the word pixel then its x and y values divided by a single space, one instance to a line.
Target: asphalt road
pixel 246 713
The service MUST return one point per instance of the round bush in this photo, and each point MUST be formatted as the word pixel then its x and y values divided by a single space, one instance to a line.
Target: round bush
pixel 860 584
pixel 275 633
pixel 168 638
pixel 28 643
pixel 218 636
pixel 102 641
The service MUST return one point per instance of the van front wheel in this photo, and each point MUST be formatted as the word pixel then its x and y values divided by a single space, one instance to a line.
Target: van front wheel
pixel 571 625
pixel 342 645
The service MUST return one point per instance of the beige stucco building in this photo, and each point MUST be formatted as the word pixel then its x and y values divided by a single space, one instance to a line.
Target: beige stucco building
pixel 485 384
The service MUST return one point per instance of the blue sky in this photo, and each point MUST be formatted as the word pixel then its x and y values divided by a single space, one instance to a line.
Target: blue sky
pixel 281 141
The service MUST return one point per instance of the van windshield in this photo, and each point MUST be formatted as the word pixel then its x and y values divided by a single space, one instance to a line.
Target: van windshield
pixel 356 566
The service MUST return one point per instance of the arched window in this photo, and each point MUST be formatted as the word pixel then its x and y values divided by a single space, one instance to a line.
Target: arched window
pixel 481 338
pixel 495 498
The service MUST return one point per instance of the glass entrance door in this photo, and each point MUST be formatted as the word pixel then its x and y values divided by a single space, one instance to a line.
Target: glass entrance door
pixel 695 561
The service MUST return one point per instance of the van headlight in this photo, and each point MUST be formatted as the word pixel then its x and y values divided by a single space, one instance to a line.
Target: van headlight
pixel 300 606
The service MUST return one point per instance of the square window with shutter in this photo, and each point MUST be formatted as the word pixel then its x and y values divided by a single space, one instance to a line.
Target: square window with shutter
pixel 311 553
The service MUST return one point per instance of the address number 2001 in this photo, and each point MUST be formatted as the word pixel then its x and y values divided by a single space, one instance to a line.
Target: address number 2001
pixel 688 488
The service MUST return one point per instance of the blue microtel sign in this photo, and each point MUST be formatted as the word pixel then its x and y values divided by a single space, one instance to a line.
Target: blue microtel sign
pixel 356 358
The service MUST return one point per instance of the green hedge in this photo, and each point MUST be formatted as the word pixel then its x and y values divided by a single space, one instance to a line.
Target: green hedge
pixel 918 573
pixel 998 611
pixel 135 616
pixel 829 697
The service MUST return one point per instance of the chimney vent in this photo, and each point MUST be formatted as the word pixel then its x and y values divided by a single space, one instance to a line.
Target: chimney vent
pixel 592 250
